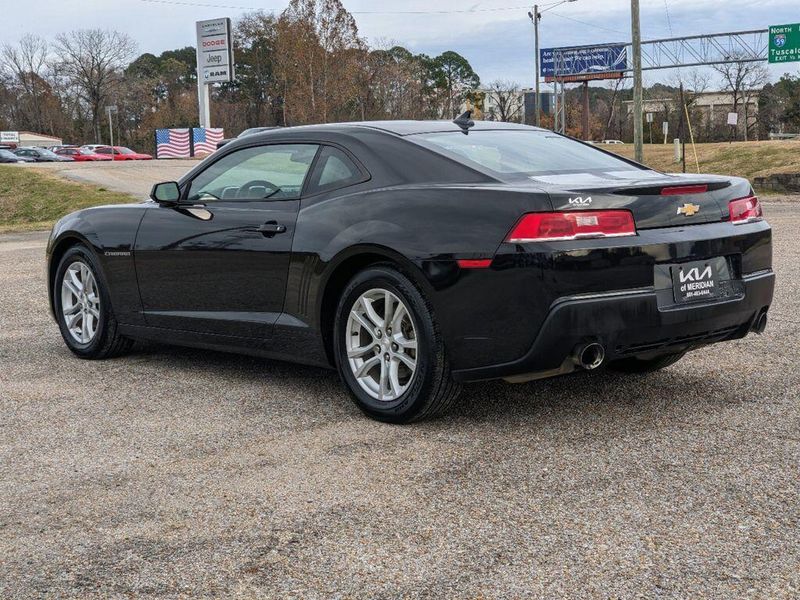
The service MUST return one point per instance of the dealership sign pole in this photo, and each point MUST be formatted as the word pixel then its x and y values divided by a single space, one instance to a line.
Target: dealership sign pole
pixel 214 61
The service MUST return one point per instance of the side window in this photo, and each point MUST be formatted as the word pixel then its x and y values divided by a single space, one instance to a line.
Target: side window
pixel 275 171
pixel 333 170
pixel 103 150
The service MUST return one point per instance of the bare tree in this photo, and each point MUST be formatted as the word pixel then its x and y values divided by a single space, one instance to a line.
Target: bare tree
pixel 92 60
pixel 27 64
pixel 744 81
pixel 506 100
pixel 317 61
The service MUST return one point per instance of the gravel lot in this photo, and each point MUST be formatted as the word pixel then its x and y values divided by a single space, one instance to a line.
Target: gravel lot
pixel 182 473
pixel 130 177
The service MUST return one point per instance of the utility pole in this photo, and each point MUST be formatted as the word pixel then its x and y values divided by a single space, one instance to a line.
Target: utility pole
pixel 536 17
pixel 585 113
pixel 110 110
pixel 636 45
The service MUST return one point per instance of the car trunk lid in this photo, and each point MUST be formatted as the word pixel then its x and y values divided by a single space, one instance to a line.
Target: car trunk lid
pixel 655 199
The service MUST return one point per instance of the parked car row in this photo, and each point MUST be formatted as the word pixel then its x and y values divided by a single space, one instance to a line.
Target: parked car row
pixel 66 153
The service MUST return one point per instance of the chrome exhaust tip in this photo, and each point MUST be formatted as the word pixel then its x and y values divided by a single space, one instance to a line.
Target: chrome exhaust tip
pixel 760 324
pixel 590 356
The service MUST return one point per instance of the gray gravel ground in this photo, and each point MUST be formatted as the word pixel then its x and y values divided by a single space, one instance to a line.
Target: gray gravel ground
pixel 130 177
pixel 181 473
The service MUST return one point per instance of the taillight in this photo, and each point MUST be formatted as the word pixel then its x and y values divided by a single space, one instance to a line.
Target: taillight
pixel 572 225
pixel 745 210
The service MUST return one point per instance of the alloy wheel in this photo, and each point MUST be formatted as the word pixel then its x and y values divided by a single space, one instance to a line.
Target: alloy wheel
pixel 381 344
pixel 80 302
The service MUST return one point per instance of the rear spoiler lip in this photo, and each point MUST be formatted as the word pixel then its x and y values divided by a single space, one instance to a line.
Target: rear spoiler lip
pixel 655 190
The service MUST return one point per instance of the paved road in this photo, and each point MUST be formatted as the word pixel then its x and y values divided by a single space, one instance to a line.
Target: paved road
pixel 181 473
pixel 129 177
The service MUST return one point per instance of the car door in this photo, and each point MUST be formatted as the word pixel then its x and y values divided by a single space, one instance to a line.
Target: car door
pixel 217 262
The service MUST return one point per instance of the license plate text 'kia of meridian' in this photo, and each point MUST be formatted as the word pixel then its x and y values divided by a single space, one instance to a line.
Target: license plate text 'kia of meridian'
pixel 416 256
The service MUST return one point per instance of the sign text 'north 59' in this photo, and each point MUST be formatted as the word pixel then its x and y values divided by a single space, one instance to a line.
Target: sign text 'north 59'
pixel 784 43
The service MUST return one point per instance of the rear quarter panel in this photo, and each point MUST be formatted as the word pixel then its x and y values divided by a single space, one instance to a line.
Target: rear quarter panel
pixel 422 228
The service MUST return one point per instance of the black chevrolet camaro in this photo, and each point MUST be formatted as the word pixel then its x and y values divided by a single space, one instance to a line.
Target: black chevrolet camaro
pixel 414 256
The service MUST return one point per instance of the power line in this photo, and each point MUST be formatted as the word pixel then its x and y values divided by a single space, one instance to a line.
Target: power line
pixel 354 12
pixel 589 24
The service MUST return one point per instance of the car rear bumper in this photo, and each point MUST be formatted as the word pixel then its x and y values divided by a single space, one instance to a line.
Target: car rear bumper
pixel 632 323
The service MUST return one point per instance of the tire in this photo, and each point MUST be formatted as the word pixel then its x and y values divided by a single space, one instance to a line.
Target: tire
pixel 102 339
pixel 408 394
pixel 645 365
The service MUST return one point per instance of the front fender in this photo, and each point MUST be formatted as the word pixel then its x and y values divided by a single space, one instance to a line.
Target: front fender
pixel 110 233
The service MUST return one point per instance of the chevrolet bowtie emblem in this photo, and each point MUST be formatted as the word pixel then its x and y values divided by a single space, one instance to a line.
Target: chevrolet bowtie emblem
pixel 688 209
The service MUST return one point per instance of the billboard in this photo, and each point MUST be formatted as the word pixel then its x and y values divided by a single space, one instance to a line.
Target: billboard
pixel 580 63
pixel 214 51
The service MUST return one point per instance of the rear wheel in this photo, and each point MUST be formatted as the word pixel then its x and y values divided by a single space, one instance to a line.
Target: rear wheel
pixel 83 308
pixel 645 365
pixel 388 351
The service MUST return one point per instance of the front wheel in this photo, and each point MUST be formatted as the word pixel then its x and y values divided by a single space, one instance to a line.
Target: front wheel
pixel 83 307
pixel 388 351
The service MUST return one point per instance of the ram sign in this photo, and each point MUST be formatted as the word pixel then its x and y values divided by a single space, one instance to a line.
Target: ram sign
pixel 214 51
pixel 582 63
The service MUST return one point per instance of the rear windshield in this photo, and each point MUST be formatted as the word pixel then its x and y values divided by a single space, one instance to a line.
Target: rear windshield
pixel 512 154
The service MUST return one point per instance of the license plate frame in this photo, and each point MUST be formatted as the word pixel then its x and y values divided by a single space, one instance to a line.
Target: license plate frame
pixel 696 281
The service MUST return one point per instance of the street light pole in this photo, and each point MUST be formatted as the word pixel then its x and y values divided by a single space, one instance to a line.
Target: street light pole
pixel 636 46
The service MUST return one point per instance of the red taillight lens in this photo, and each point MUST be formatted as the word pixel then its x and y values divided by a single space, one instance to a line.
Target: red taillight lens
pixel 573 225
pixel 474 263
pixel 745 210
pixel 682 190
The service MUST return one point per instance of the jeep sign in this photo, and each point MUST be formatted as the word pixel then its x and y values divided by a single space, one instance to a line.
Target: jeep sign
pixel 214 51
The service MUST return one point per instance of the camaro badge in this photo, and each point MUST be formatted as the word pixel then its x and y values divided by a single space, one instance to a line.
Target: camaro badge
pixel 688 209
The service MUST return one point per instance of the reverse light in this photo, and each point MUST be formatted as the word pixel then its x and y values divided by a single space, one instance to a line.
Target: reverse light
pixel 572 225
pixel 745 210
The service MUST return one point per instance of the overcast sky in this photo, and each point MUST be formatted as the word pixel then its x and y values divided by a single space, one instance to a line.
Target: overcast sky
pixel 496 36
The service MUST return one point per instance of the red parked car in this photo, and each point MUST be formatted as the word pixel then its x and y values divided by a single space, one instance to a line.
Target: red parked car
pixel 122 153
pixel 81 154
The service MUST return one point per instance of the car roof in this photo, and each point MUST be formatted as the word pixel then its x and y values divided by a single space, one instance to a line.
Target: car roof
pixel 400 128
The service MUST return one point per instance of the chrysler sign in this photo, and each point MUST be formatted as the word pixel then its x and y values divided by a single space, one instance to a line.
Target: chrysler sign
pixel 214 51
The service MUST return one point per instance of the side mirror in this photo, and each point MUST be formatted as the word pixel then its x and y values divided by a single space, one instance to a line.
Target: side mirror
pixel 166 192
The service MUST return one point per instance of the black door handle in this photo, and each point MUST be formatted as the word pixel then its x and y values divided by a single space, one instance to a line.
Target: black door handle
pixel 271 228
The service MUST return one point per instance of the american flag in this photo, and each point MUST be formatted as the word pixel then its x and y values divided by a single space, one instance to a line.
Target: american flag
pixel 172 143
pixel 205 140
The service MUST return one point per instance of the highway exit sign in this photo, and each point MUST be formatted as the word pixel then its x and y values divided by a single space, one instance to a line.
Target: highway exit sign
pixel 784 43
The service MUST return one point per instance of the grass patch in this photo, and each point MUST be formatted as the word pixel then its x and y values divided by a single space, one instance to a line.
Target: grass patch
pixel 742 159
pixel 31 199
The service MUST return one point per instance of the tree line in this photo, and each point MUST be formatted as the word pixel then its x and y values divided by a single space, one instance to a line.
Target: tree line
pixel 306 65
pixel 309 64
